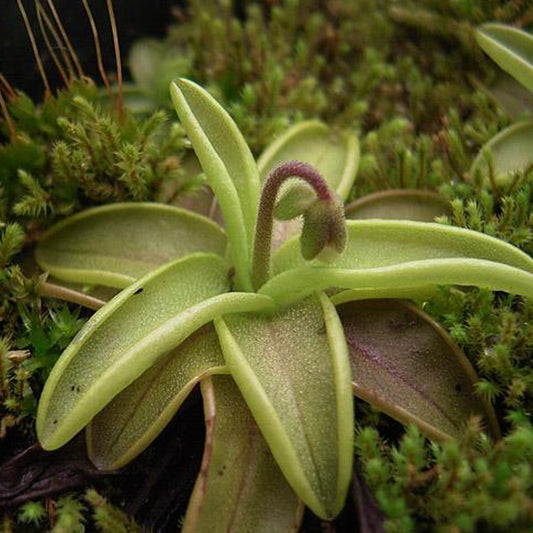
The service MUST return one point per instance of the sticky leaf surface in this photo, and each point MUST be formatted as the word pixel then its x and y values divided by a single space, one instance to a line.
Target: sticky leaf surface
pixel 128 335
pixel 510 48
pixel 115 244
pixel 136 416
pixel 293 373
pixel 510 151
pixel 227 162
pixel 403 255
pixel 401 204
pixel 240 487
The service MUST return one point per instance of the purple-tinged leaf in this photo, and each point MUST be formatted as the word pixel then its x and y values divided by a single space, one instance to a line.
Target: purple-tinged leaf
pixel 370 519
pixel 404 363
pixel 240 487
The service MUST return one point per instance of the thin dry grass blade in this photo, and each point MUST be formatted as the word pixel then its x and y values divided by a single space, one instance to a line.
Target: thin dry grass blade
pixel 7 116
pixel 47 92
pixel 41 15
pixel 96 38
pixel 70 48
pixel 118 59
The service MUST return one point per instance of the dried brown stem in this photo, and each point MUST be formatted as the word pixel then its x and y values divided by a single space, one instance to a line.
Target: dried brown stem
pixel 96 38
pixel 41 15
pixel 118 59
pixel 7 117
pixel 51 290
pixel 47 91
pixel 66 39
pixel 63 49
pixel 8 88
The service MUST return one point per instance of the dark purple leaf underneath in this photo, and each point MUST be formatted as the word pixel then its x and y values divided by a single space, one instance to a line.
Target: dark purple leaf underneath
pixel 404 363
pixel 370 519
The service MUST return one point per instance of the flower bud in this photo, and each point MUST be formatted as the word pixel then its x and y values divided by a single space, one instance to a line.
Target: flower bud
pixel 324 230
pixel 295 201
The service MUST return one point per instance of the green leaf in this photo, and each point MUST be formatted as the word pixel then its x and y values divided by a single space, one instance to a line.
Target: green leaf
pixel 130 334
pixel 399 204
pixel 404 363
pixel 144 58
pixel 334 155
pixel 383 254
pixel 511 96
pixel 115 244
pixel 293 372
pixel 381 243
pixel 135 417
pixel 508 152
pixel 240 487
pixel 228 165
pixel 510 48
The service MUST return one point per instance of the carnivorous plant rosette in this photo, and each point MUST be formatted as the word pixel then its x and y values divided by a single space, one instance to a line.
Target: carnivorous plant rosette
pixel 198 301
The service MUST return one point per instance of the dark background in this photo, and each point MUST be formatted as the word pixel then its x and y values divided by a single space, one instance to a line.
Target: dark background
pixel 135 19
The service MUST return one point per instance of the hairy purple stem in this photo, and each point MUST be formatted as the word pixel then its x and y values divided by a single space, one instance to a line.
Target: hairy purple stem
pixel 265 218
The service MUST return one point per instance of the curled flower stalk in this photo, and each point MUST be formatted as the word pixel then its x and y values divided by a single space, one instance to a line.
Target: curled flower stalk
pixel 323 217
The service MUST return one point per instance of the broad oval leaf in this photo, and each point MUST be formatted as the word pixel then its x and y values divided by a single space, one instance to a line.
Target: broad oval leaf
pixel 128 335
pixel 135 417
pixel 510 151
pixel 143 60
pixel 403 255
pixel 513 97
pixel 404 363
pixel 228 165
pixel 334 154
pixel 399 204
pixel 115 244
pixel 293 372
pixel 381 243
pixel 510 48
pixel 240 487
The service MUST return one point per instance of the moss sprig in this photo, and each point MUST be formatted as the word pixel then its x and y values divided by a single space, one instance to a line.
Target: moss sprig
pixel 110 519
pixel 456 486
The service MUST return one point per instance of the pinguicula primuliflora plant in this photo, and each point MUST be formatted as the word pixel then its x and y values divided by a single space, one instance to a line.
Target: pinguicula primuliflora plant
pixel 197 302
